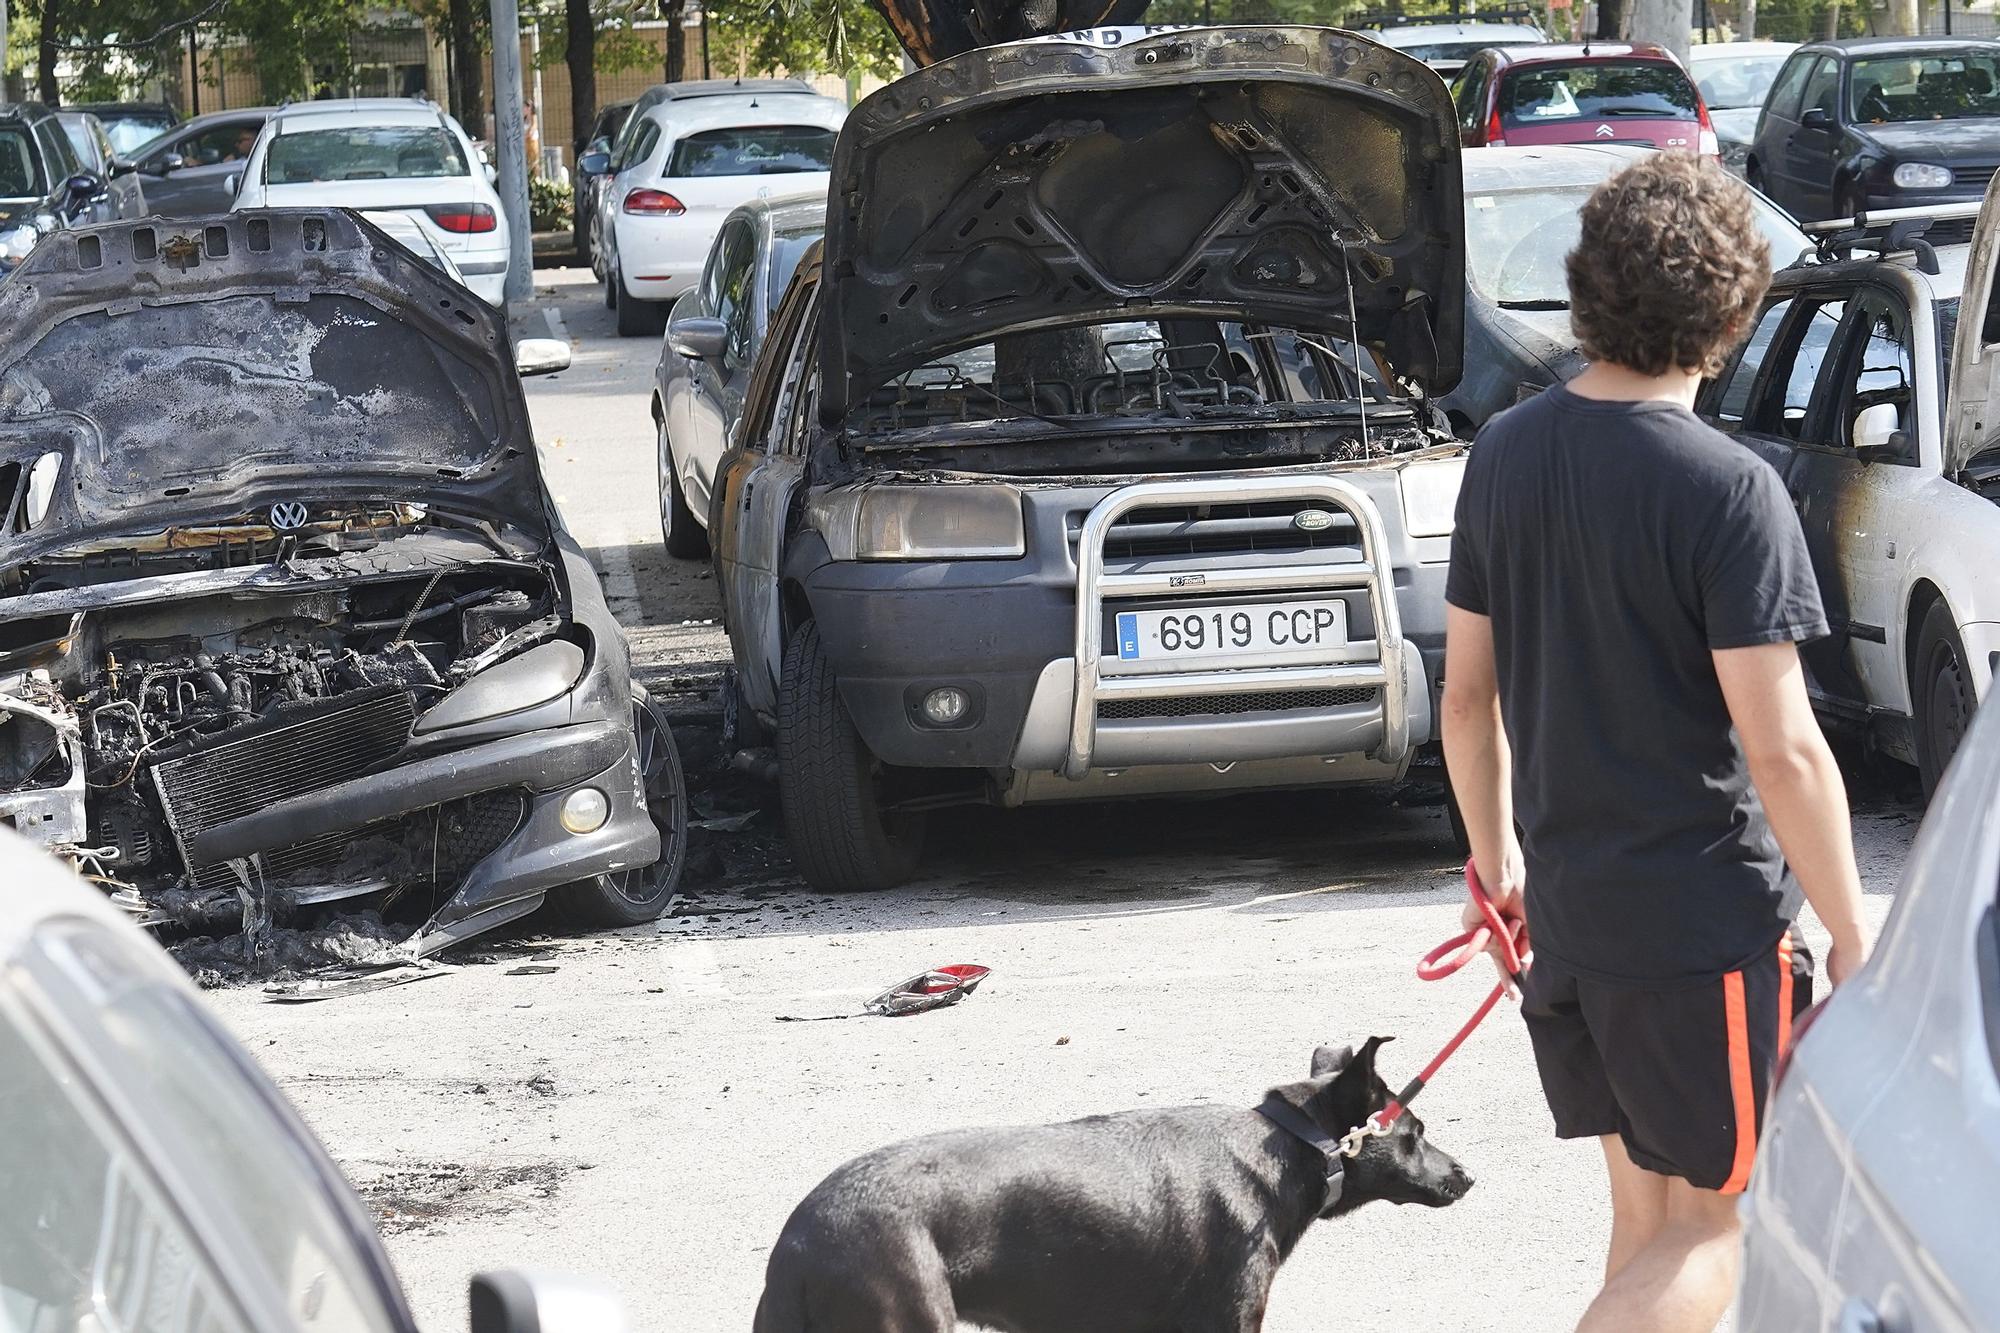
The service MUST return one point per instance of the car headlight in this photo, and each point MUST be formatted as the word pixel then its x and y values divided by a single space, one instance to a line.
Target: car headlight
pixel 1921 176
pixel 941 522
pixel 16 242
pixel 1430 496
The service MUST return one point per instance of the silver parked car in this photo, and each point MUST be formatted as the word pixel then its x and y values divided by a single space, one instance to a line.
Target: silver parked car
pixel 122 196
pixel 155 1178
pixel 1872 1206
pixel 710 346
pixel 191 169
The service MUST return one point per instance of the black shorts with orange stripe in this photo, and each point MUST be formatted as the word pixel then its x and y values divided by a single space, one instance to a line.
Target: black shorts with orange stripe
pixel 1679 1075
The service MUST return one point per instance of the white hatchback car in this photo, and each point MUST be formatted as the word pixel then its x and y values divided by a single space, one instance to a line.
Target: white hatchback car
pixel 390 154
pixel 687 163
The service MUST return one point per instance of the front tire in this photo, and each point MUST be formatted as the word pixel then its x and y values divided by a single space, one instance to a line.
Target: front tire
pixel 635 896
pixel 831 786
pixel 1942 689
pixel 682 536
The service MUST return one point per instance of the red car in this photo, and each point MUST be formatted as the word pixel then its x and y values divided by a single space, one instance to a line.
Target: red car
pixel 1629 93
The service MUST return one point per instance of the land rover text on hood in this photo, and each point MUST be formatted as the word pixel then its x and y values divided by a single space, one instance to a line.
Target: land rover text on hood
pixel 1094 453
pixel 286 614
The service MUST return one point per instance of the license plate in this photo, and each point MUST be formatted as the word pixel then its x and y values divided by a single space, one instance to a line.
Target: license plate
pixel 1261 634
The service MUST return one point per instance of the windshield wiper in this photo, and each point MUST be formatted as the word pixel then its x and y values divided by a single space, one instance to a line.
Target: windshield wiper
pixel 1544 303
pixel 1652 111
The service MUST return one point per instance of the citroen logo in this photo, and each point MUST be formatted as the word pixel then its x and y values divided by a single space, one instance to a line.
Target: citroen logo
pixel 1312 520
pixel 1605 131
pixel 289 516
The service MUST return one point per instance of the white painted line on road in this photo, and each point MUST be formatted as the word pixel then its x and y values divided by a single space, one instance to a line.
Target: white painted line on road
pixel 696 969
pixel 557 329
pixel 619 581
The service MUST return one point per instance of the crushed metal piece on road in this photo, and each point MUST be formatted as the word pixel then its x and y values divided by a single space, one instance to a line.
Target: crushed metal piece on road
pixel 309 990
pixel 726 823
pixel 530 970
pixel 929 990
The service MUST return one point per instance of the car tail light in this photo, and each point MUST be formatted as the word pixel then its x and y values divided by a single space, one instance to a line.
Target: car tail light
pixel 1799 1026
pixel 653 204
pixel 1495 136
pixel 463 219
pixel 1710 145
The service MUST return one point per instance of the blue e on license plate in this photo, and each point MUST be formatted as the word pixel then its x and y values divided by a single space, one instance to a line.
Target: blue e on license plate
pixel 1259 634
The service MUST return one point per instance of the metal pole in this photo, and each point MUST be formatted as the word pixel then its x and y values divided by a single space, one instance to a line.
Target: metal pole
pixel 194 74
pixel 704 44
pixel 510 137
pixel 541 123
pixel 1947 18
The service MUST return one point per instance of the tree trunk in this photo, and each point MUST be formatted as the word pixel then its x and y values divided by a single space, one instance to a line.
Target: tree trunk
pixel 468 97
pixel 1832 21
pixel 1610 20
pixel 673 11
pixel 580 54
pixel 1904 19
pixel 45 57
pixel 1746 21
pixel 1665 22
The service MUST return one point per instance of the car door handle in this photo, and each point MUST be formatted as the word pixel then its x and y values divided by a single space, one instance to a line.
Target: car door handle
pixel 1858 1316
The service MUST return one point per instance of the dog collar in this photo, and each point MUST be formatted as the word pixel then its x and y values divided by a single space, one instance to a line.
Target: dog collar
pixel 1300 1126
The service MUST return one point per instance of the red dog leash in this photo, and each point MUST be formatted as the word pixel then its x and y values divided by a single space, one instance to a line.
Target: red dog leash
pixel 1438 964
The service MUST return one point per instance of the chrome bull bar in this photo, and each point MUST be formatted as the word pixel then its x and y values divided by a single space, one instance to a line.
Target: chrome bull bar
pixel 1372 574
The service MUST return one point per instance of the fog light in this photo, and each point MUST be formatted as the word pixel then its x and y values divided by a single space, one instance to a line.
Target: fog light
pixel 585 810
pixel 946 705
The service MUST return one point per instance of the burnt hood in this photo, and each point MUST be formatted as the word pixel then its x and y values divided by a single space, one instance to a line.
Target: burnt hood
pixel 1204 171
pixel 192 371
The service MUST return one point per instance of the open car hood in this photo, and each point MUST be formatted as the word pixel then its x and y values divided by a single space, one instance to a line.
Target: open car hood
pixel 195 371
pixel 1205 171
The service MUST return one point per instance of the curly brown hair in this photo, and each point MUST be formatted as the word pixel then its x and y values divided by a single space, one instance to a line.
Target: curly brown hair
pixel 1669 267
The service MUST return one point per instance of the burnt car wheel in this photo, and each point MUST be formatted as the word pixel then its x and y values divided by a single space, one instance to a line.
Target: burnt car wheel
pixel 638 895
pixel 1943 693
pixel 840 832
pixel 683 536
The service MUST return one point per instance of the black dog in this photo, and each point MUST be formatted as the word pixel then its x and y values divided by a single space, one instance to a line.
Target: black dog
pixel 1152 1220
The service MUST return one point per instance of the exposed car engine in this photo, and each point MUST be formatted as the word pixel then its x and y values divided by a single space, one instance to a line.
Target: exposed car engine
pixel 127 731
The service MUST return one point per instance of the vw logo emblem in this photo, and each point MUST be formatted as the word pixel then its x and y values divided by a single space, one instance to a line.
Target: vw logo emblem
pixel 289 516
pixel 1312 520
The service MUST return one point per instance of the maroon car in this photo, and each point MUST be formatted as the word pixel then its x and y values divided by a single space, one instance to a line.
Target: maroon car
pixel 1628 93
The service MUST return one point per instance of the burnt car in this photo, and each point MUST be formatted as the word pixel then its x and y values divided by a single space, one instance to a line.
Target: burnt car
pixel 286 612
pixel 1054 482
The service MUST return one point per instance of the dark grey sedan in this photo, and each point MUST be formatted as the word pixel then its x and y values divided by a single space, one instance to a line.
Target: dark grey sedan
pixel 122 196
pixel 1521 221
pixel 711 344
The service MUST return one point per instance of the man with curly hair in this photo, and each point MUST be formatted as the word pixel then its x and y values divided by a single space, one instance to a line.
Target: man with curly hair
pixel 1627 593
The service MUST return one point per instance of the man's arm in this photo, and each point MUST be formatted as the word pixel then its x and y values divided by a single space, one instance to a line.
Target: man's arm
pixel 1800 786
pixel 1477 757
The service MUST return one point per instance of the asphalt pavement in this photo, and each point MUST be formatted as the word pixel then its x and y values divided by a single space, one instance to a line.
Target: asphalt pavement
pixel 637 1105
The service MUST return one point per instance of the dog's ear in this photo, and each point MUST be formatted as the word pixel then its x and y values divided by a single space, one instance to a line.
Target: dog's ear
pixel 1331 1059
pixel 1355 1092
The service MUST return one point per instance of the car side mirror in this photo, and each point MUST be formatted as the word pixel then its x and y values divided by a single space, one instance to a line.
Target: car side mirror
pixel 81 188
pixel 1878 436
pixel 121 167
pixel 698 337
pixel 540 356
pixel 1815 118
pixel 232 183
pixel 519 1300
pixel 492 174
pixel 594 163
pixel 160 166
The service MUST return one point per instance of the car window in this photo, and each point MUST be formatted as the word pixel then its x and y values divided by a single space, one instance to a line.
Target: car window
pixel 133 129
pixel 1822 89
pixel 86 1240
pixel 1732 82
pixel 63 161
pixel 735 299
pixel 364 152
pixel 1784 99
pixel 1880 367
pixel 1595 90
pixel 791 358
pixel 1470 96
pixel 787 249
pixel 20 167
pixel 643 144
pixel 761 150
pixel 227 142
pixel 1797 371
pixel 77 133
pixel 267 1193
pixel 1943 85
pixel 1740 378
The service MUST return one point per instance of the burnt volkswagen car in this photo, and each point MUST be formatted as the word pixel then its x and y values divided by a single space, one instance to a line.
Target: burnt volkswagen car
pixel 286 612
pixel 1094 454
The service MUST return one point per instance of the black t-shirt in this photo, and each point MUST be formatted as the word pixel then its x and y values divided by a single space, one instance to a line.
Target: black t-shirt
pixel 1614 545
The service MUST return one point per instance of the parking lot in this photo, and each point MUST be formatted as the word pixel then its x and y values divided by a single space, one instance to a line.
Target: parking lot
pixel 648 1104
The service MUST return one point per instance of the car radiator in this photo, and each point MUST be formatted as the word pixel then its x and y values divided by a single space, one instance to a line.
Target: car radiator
pixel 306 748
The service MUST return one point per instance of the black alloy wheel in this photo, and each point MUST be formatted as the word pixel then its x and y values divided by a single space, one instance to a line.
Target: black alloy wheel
pixel 638 894
pixel 1943 694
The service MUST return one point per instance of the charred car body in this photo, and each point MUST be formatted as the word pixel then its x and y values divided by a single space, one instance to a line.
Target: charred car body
pixel 1094 455
pixel 286 613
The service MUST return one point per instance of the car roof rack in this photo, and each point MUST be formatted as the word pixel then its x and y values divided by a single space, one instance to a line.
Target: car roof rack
pixel 1389 18
pixel 1887 231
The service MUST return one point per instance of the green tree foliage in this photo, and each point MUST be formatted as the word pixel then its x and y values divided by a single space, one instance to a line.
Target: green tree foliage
pixel 802 37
